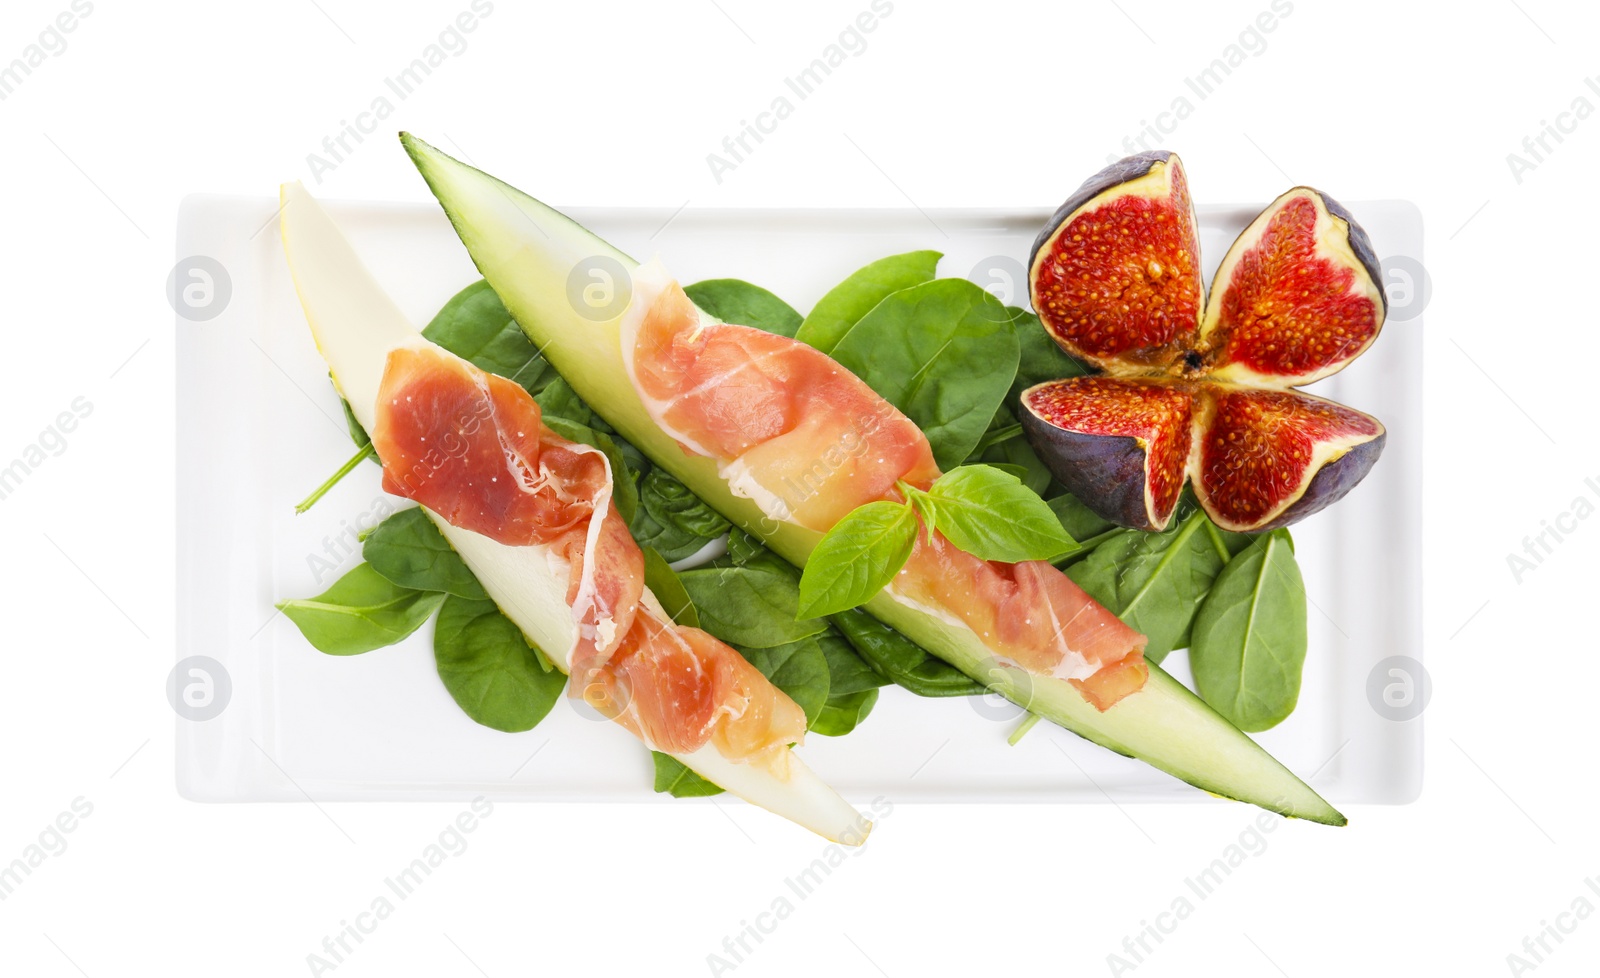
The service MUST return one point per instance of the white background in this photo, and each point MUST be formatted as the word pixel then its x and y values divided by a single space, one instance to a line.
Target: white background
pixel 998 104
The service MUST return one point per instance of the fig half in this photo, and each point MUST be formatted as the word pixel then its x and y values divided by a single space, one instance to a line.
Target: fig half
pixel 1197 391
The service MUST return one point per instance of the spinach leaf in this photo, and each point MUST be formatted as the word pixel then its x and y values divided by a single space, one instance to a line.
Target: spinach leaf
pixel 944 353
pixel 800 669
pixel 623 490
pixel 753 607
pixel 672 519
pixel 673 778
pixel 362 611
pixel 989 513
pixel 492 672
pixel 358 434
pixel 842 714
pixel 845 304
pixel 1250 636
pixel 475 326
pixel 901 660
pixel 559 400
pixel 857 558
pixel 1153 581
pixel 848 673
pixel 743 304
pixel 408 549
pixel 663 582
pixel 1080 522
pixel 1041 360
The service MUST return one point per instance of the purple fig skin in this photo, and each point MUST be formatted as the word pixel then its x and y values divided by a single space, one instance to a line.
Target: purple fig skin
pixel 1331 483
pixel 1125 169
pixel 1105 472
pixel 1361 245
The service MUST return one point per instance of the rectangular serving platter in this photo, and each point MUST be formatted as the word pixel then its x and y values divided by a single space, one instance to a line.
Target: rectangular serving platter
pixel 259 426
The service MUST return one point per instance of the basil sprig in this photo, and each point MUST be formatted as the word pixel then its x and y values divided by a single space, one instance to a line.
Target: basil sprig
pixel 981 509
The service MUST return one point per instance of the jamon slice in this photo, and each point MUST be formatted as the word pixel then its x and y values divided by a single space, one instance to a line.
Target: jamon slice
pixel 791 430
pixel 531 514
pixel 766 407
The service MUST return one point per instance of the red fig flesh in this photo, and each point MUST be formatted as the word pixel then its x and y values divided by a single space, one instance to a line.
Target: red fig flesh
pixel 1207 398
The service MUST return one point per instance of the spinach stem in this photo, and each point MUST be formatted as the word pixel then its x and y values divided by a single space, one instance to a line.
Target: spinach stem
pixel 367 451
pixel 1022 729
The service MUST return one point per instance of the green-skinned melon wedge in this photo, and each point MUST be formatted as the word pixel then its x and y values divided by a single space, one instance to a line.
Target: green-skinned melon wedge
pixel 539 261
pixel 355 325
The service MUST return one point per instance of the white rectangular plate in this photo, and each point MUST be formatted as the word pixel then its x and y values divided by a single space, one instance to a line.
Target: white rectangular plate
pixel 259 427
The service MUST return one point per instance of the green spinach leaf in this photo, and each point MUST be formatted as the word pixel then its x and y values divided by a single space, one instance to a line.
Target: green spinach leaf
pixel 362 611
pixel 944 353
pixel 475 326
pixel 800 669
pixel 857 558
pixel 663 582
pixel 408 549
pixel 672 519
pixel 493 673
pixel 1153 581
pixel 1250 636
pixel 845 304
pixel 842 714
pixel 753 607
pixel 743 304
pixel 900 660
pixel 673 778
pixel 559 400
pixel 1041 360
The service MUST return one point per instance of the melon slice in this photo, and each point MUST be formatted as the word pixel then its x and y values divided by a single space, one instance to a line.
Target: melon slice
pixel 357 328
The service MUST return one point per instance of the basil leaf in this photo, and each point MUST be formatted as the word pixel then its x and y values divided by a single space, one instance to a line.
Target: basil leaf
pixel 1154 582
pixel 362 611
pixel 663 582
pixel 800 669
pixel 749 607
pixel 743 304
pixel 857 558
pixel 842 714
pixel 490 669
pixel 901 660
pixel 408 550
pixel 673 778
pixel 623 490
pixel 1250 636
pixel 990 514
pixel 475 326
pixel 944 353
pixel 845 304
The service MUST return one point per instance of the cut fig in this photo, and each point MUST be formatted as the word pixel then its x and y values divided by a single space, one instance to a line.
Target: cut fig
pixel 1185 395
pixel 1129 442
pixel 1266 458
pixel 1297 298
pixel 1115 275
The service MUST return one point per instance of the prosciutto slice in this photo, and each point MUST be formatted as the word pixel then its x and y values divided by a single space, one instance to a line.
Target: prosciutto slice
pixel 808 441
pixel 472 447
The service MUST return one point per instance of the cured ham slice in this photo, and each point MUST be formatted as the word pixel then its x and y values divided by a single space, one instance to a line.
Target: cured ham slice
pixel 471 447
pixel 808 441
